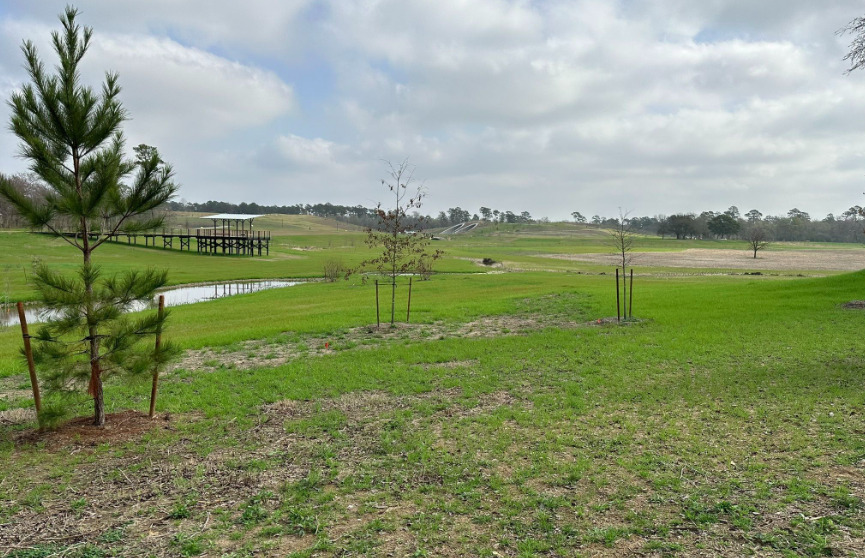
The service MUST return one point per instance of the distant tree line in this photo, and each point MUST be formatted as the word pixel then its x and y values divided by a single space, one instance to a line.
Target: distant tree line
pixel 795 225
pixel 355 214
pixel 319 209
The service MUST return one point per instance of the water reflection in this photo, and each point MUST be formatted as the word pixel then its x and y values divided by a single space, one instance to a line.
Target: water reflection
pixel 173 297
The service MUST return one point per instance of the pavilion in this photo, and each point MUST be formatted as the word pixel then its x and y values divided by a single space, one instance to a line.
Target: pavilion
pixel 232 233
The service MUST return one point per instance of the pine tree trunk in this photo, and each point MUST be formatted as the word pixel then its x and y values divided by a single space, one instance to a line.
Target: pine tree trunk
pixel 95 389
pixel 96 386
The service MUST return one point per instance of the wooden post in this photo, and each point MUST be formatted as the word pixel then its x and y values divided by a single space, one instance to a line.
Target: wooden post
pixel 408 308
pixel 618 304
pixel 156 367
pixel 34 383
pixel 624 294
pixel 377 315
pixel 631 295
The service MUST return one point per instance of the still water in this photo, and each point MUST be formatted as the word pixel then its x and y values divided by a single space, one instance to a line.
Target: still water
pixel 174 296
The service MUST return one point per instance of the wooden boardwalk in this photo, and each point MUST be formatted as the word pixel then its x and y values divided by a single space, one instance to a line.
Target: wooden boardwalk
pixel 207 241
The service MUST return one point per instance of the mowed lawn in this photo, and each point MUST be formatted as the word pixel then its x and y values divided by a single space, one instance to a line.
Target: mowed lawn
pixel 505 420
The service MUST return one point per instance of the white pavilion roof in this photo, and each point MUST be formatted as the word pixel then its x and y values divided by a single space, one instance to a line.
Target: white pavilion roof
pixel 233 216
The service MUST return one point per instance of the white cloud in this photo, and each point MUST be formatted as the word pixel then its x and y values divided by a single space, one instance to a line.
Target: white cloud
pixel 549 106
pixel 307 152
pixel 261 26
pixel 174 90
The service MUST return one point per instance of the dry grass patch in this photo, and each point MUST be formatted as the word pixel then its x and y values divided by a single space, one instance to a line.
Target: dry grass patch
pixel 11 417
pixel 702 258
pixel 278 351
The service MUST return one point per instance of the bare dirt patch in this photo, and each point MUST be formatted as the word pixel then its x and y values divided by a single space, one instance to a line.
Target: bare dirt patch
pixel 284 348
pixel 453 364
pixel 119 427
pixel 701 258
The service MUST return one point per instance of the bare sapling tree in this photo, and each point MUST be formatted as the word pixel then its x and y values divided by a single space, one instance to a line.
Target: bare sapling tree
pixel 622 241
pixel 757 239
pixel 404 249
pixel 73 139
pixel 856 54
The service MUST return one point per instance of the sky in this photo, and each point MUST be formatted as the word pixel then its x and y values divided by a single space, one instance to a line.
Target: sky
pixel 651 107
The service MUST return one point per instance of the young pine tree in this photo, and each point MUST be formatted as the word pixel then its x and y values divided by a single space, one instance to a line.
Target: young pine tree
pixel 73 140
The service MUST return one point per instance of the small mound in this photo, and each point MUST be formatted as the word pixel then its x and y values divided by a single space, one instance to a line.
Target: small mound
pixel 80 431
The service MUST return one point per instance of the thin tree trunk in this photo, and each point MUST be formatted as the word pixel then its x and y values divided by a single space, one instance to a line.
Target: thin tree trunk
pixel 624 277
pixel 98 400
pixel 393 257
pixel 624 294
pixel 393 300
pixel 408 306
pixel 95 388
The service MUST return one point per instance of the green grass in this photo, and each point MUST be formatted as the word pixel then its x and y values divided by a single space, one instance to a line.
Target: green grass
pixel 299 250
pixel 727 421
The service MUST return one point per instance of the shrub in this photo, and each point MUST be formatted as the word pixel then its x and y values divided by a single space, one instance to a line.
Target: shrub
pixel 333 269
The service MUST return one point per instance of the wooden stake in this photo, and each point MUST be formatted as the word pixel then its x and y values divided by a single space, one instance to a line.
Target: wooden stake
pixel 618 304
pixel 377 315
pixel 408 308
pixel 624 294
pixel 156 367
pixel 34 383
pixel 631 296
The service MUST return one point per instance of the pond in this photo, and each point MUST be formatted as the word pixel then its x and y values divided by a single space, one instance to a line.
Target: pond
pixel 174 296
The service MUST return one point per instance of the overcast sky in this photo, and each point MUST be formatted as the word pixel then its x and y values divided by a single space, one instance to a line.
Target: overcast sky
pixel 652 106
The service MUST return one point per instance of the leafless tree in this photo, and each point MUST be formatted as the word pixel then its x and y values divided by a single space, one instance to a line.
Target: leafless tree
pixel 856 55
pixel 757 239
pixel 402 250
pixel 622 240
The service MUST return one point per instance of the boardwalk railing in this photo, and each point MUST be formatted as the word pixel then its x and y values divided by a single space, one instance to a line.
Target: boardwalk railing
pixel 207 240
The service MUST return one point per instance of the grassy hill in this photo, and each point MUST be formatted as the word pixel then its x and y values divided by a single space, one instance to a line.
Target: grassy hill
pixel 512 417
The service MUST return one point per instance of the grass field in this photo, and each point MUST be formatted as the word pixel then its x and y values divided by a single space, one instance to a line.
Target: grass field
pixel 511 417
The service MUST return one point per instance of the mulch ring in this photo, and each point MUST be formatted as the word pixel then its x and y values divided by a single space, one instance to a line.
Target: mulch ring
pixel 81 432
